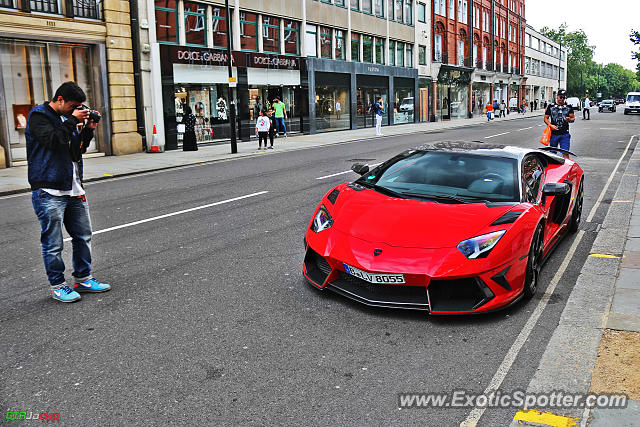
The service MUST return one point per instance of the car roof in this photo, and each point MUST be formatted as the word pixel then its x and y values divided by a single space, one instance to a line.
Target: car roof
pixel 489 150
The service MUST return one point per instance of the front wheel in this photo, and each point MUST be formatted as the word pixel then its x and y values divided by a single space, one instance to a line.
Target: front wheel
pixel 576 214
pixel 534 264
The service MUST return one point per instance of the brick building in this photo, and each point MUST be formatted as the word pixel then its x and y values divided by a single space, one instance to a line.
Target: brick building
pixel 47 42
pixel 478 55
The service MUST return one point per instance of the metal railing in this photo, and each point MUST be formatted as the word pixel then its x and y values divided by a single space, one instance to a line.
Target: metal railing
pixel 85 8
pixel 7 3
pixel 91 9
pixel 44 6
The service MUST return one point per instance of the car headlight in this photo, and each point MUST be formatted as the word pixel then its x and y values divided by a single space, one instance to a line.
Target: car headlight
pixel 480 246
pixel 322 220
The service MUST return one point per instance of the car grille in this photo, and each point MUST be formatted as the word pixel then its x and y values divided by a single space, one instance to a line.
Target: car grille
pixel 458 295
pixel 316 267
pixel 379 295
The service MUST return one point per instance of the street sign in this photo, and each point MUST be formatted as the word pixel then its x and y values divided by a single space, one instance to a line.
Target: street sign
pixel 233 81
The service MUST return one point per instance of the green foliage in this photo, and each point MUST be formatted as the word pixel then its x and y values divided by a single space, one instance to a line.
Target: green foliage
pixel 584 76
pixel 635 38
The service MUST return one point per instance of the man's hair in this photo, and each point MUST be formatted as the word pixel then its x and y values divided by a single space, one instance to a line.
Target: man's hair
pixel 69 91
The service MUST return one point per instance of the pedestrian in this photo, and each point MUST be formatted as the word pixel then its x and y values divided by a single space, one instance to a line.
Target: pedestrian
pixel 489 111
pixel 280 115
pixel 272 126
pixel 263 123
pixel 535 104
pixel 55 145
pixel 586 112
pixel 558 116
pixel 378 109
pixel 503 108
pixel 338 110
pixel 189 142
pixel 522 108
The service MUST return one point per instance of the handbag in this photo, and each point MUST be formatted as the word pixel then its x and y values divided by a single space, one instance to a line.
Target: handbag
pixel 546 136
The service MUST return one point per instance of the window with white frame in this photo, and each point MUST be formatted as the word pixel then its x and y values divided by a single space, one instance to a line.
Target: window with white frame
pixel 465 11
pixel 452 9
pixel 484 57
pixel 474 55
pixel 437 48
pixel 461 52
pixel 460 19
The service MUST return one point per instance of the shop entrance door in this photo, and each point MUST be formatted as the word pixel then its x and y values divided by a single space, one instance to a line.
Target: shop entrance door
pixel 366 99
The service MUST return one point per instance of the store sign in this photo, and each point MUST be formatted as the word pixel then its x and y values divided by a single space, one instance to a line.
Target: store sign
pixel 260 60
pixel 199 56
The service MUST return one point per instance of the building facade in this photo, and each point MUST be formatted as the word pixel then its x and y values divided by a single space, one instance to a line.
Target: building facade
pixel 545 68
pixel 327 60
pixel 478 55
pixel 45 43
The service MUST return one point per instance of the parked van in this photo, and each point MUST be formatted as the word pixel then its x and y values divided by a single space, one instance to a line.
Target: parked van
pixel 632 104
pixel 575 103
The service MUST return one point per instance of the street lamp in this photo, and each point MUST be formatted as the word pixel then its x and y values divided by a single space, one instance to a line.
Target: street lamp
pixel 232 100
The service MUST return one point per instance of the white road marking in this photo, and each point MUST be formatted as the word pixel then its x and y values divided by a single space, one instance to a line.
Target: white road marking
pixel 493 136
pixel 197 208
pixel 477 412
pixel 530 127
pixel 345 172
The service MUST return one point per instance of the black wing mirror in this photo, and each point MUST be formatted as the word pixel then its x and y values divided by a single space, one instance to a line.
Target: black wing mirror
pixel 359 168
pixel 556 189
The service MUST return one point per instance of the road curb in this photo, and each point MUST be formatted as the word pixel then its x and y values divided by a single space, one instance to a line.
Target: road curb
pixel 229 156
pixel 570 356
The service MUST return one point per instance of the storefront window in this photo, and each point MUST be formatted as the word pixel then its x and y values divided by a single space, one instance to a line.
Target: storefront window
pixel 219 26
pixel 368 90
pixel 248 31
pixel 291 31
pixel 367 49
pixel 400 54
pixel 392 52
pixel 166 21
pixel 325 42
pixel 355 47
pixel 310 40
pixel 332 102
pixel 459 97
pixel 403 108
pixel 379 50
pixel 271 34
pixel 339 35
pixel 31 76
pixel 209 104
pixel 194 24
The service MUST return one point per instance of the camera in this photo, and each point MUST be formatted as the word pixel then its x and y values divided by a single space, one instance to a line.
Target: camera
pixel 93 115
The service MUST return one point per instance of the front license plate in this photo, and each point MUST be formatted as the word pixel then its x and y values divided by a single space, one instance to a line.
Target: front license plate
pixel 374 278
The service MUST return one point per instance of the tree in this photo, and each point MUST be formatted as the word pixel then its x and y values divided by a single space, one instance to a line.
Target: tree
pixel 635 38
pixel 579 56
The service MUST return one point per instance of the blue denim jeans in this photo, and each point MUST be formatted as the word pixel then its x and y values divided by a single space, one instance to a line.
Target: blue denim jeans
pixel 73 212
pixel 280 125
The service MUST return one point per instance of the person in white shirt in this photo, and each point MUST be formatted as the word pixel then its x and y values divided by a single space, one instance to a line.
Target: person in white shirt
pixel 338 110
pixel 262 130
pixel 586 112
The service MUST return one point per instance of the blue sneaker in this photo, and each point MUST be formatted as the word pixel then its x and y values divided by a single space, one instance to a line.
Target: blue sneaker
pixel 91 285
pixel 64 293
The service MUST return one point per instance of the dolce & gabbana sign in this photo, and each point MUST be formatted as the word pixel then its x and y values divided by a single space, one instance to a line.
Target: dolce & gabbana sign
pixel 260 60
pixel 200 56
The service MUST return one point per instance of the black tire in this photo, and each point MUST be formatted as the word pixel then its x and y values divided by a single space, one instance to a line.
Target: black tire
pixel 576 213
pixel 534 264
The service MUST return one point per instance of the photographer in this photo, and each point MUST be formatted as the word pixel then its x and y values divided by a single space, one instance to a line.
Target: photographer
pixel 55 145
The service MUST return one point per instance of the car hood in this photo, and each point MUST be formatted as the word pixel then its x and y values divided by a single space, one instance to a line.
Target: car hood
pixel 375 217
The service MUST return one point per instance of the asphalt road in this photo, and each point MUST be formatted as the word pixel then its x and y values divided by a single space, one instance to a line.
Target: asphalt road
pixel 211 322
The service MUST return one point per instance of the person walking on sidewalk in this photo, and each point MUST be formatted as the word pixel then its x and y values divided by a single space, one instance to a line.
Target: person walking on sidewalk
pixel 281 115
pixel 189 141
pixel 262 129
pixel 272 127
pixel 489 111
pixel 378 109
pixel 503 107
pixel 54 157
pixel 558 116
pixel 586 112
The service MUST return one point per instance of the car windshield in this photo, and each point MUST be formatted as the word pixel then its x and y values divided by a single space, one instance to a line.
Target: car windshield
pixel 633 98
pixel 449 177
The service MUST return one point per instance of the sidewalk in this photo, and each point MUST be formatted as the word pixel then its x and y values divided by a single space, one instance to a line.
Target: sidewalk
pixel 14 179
pixel 596 345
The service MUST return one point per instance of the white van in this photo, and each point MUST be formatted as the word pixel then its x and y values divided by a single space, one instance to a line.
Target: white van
pixel 632 104
pixel 575 103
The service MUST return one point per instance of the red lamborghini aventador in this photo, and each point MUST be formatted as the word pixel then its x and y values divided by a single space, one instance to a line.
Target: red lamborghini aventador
pixel 447 228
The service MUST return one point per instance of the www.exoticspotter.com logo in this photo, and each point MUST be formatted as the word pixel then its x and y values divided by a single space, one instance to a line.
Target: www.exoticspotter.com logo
pixel 45 417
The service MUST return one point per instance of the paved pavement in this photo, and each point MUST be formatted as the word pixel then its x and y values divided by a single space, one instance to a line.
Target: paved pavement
pixel 14 180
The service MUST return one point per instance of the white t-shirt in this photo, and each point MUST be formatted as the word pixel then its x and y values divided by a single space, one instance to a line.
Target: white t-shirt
pixel 263 124
pixel 76 186
pixel 587 103
pixel 338 106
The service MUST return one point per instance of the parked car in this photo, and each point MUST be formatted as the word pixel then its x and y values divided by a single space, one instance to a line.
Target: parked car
pixel 633 103
pixel 575 103
pixel 607 105
pixel 620 101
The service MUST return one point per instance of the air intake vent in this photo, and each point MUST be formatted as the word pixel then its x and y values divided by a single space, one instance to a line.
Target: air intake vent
pixel 507 218
pixel 333 196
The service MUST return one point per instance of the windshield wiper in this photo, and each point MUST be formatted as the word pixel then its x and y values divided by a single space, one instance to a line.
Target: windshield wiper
pixel 438 197
pixel 380 189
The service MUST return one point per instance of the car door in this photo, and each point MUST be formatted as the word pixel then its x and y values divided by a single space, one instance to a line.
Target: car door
pixel 533 178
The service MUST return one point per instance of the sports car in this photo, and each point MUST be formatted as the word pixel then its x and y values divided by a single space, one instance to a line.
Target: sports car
pixel 448 227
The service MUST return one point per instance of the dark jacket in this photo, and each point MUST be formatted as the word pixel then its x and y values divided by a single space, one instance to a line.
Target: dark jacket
pixel 52 146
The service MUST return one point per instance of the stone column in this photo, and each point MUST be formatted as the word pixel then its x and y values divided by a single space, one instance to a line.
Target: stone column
pixel 122 101
pixel 434 101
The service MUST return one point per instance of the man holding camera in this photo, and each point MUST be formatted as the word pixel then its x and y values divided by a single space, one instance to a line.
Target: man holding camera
pixel 57 134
